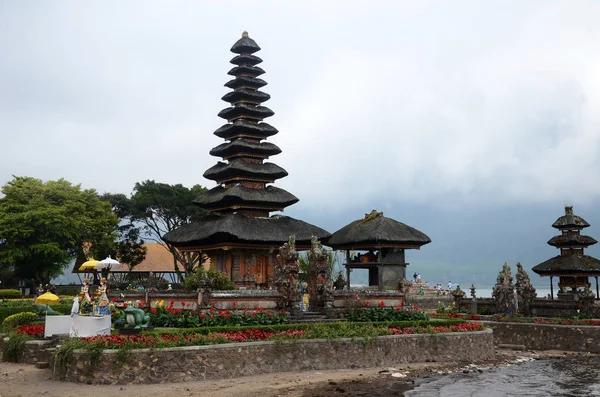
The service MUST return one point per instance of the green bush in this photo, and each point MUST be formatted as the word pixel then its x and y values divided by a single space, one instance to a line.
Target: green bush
pixel 7 311
pixel 10 294
pixel 15 320
pixel 167 317
pixel 217 281
pixel 13 348
pixel 335 327
pixel 386 314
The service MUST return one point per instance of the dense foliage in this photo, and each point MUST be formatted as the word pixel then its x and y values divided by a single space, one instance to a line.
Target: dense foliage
pixel 176 318
pixel 44 224
pixel 211 278
pixel 15 320
pixel 382 313
pixel 161 208
pixel 313 331
pixel 10 293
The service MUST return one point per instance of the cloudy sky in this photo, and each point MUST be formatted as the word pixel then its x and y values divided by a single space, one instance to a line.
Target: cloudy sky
pixel 475 122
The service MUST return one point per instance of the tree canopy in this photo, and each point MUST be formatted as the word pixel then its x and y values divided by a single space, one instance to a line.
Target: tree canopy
pixel 43 225
pixel 160 208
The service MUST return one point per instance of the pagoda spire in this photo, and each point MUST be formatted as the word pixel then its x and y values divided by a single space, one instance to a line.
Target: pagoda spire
pixel 570 241
pixel 244 174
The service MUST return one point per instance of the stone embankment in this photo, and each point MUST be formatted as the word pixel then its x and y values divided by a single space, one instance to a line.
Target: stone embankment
pixel 547 336
pixel 242 359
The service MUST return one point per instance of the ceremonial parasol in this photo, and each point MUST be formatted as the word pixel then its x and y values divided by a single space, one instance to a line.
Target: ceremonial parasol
pixel 47 298
pixel 91 264
pixel 106 264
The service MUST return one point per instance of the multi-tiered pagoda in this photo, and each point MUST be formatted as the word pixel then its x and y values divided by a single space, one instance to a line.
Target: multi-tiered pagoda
pixel 572 267
pixel 239 235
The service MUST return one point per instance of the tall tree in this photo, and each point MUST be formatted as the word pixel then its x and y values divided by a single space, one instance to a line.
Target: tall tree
pixel 43 225
pixel 161 208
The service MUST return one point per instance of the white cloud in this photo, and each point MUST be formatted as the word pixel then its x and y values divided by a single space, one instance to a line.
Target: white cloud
pixel 434 102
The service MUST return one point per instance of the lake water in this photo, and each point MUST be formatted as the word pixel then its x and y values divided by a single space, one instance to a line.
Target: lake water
pixel 542 292
pixel 574 376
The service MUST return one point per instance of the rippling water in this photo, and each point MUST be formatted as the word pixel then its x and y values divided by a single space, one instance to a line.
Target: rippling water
pixel 574 376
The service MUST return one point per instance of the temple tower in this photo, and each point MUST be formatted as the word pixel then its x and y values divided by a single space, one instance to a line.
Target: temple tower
pixel 572 266
pixel 240 235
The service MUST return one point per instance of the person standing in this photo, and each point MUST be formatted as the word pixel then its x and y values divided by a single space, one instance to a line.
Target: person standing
pixel 449 285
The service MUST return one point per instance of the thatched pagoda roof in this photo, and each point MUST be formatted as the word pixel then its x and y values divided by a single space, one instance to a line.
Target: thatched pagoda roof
pixel 572 241
pixel 246 60
pixel 244 147
pixel 240 196
pixel 222 172
pixel 377 231
pixel 246 70
pixel 569 265
pixel 245 45
pixel 245 82
pixel 569 220
pixel 246 95
pixel 238 230
pixel 245 128
pixel 247 111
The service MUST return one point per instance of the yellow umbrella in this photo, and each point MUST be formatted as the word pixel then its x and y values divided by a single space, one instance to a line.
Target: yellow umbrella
pixel 47 298
pixel 91 264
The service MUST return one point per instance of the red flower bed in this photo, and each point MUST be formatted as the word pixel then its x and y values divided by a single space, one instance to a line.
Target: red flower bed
pixel 467 327
pixel 246 335
pixel 37 331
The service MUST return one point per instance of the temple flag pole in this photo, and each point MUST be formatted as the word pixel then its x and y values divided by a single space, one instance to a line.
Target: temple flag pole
pixel 551 289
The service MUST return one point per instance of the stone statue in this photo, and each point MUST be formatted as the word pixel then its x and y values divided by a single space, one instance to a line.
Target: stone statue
pixel 372 215
pixel 472 289
pixel 320 272
pixel 525 291
pixel 103 302
pixel 136 318
pixel 286 276
pixel 340 282
pixel 503 292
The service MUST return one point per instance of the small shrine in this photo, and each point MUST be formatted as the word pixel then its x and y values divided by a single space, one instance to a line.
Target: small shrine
pixel 379 244
pixel 240 236
pixel 572 267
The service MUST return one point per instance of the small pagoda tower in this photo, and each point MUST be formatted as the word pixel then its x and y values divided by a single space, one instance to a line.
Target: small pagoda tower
pixel 572 266
pixel 240 236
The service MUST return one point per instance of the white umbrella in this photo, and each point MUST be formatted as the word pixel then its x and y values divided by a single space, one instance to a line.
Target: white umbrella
pixel 107 263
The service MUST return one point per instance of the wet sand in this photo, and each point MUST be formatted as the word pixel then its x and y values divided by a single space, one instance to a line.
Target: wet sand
pixel 20 380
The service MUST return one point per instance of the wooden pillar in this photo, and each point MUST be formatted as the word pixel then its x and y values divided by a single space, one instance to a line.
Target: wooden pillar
pixel 551 289
pixel 347 268
pixel 597 294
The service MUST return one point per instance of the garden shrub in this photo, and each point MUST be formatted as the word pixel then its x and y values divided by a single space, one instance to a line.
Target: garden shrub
pixel 381 313
pixel 215 280
pixel 169 317
pixel 15 320
pixel 10 294
pixel 7 311
pixel 13 348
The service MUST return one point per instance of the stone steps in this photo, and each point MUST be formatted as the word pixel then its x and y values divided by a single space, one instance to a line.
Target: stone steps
pixel 42 364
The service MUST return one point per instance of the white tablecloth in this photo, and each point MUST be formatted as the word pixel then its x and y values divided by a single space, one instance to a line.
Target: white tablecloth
pixel 56 325
pixel 83 326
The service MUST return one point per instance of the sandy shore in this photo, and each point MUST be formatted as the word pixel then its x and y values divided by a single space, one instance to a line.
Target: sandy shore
pixel 19 380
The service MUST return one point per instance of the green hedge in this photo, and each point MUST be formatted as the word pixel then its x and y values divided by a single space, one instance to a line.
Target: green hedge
pixel 7 311
pixel 10 294
pixel 304 326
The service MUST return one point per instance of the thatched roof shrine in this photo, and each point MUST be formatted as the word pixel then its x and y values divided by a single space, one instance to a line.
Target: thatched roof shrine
pixel 243 231
pixel 377 231
pixel 572 265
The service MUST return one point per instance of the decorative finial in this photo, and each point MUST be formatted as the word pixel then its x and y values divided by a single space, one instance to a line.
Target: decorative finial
pixel 569 210
pixel 244 34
